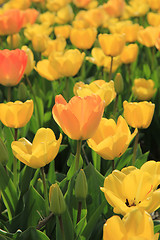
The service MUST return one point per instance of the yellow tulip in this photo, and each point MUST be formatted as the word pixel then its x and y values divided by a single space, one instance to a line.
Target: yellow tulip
pixel 42 151
pixel 30 60
pixel 111 140
pixel 153 19
pixel 154 4
pixel 67 63
pixel 34 29
pixel 16 114
pixel 48 17
pixel 129 53
pixel 137 224
pixel 116 63
pixel 138 114
pixel 98 57
pixel 64 15
pixel 130 31
pixel 46 70
pixel 111 44
pixel 14 41
pixel 148 36
pixel 143 89
pixel 83 38
pixel 57 44
pixel 55 5
pixel 62 31
pixel 39 42
pixel 131 189
pixel 104 89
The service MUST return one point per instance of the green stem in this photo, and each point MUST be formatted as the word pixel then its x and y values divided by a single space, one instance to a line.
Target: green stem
pixel 61 226
pixel 113 165
pixel 34 96
pixel 79 211
pixel 115 104
pixel 15 161
pixel 8 94
pixel 135 148
pixel 45 191
pixel 79 142
pixel 110 72
pixel 11 46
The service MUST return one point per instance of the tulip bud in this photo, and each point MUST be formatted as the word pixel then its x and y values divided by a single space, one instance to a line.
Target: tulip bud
pixel 14 41
pixel 81 186
pixel 4 157
pixel 56 199
pixel 22 92
pixel 118 83
pixel 30 60
pixel 39 42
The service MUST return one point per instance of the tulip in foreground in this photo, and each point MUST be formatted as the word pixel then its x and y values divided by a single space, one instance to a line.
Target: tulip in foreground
pixel 12 66
pixel 111 140
pixel 137 224
pixel 16 114
pixel 42 151
pixel 131 189
pixel 80 117
pixel 138 115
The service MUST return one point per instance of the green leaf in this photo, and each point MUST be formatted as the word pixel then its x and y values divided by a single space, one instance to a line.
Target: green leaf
pixel 157 228
pixel 9 139
pixel 96 160
pixel 8 191
pixel 32 234
pixel 39 110
pixel 93 220
pixel 67 225
pixel 6 236
pixel 26 176
pixel 146 71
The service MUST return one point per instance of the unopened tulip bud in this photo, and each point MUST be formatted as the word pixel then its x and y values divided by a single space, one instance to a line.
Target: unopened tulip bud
pixel 4 157
pixel 22 92
pixel 118 83
pixel 30 60
pixel 81 186
pixel 14 41
pixel 56 199
pixel 39 42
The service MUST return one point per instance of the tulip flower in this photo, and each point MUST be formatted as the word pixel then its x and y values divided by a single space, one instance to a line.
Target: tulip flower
pixel 42 151
pixel 11 21
pixel 153 19
pixel 111 140
pixel 129 53
pixel 46 70
pixel 48 17
pixel 81 3
pixel 104 89
pixel 55 5
pixel 98 57
pixel 80 117
pixel 137 224
pixel 12 66
pixel 14 41
pixel 67 63
pixel 62 31
pixel 130 31
pixel 114 8
pixel 64 15
pixel 16 114
pixel 112 44
pixel 131 189
pixel 148 36
pixel 138 115
pixel 30 16
pixel 87 36
pixel 30 60
pixel 143 89
pixel 154 4
pixel 34 29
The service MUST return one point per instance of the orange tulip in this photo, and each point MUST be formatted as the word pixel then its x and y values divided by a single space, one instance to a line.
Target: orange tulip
pixel 80 117
pixel 11 21
pixel 30 16
pixel 12 66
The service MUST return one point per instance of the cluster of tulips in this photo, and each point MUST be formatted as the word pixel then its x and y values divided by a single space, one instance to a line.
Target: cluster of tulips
pixel 85 71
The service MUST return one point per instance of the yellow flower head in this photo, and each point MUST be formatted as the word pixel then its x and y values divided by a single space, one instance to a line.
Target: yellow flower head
pixel 67 63
pixel 143 89
pixel 129 53
pixel 104 89
pixel 16 114
pixel 111 140
pixel 42 151
pixel 112 44
pixel 83 38
pixel 131 189
pixel 138 115
pixel 137 224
